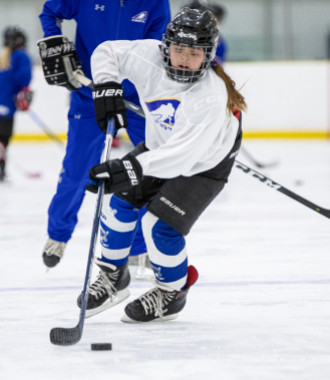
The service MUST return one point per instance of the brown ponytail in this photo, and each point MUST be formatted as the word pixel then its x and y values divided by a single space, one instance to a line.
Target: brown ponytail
pixel 236 100
pixel 5 58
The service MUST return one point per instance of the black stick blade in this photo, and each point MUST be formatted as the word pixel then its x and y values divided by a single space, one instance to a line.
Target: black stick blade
pixel 65 337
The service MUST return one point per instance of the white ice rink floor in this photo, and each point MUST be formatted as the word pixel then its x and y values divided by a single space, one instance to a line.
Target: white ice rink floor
pixel 259 311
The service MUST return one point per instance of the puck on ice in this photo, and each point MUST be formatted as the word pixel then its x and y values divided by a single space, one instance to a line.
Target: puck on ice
pixel 101 346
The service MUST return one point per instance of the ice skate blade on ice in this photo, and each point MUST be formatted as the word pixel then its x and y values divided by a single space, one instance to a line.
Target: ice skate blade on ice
pixel 126 319
pixel 115 300
pixel 140 267
pixel 141 274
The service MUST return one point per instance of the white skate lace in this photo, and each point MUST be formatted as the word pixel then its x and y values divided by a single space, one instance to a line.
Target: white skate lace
pixel 104 284
pixel 155 301
pixel 54 248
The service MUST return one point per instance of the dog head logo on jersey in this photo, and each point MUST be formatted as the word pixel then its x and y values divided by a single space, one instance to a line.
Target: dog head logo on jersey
pixel 163 111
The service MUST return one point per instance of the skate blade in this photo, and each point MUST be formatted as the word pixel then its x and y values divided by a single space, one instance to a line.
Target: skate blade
pixel 141 274
pixel 126 319
pixel 121 296
pixel 144 274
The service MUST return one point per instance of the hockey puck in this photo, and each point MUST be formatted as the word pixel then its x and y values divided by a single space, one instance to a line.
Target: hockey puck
pixel 101 346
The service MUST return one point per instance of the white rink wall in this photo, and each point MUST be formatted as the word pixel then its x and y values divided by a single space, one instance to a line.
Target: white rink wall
pixel 285 96
pixel 290 97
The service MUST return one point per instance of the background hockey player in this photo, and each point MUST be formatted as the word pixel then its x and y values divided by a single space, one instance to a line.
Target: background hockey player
pixel 110 20
pixel 192 139
pixel 15 77
pixel 220 13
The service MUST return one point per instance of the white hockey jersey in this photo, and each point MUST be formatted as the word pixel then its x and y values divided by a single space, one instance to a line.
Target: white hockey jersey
pixel 188 128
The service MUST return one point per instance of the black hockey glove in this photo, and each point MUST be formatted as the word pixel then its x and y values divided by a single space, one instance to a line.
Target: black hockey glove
pixel 59 59
pixel 119 175
pixel 109 101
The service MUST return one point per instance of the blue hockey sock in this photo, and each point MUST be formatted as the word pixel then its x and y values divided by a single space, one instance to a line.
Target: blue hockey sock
pixel 118 221
pixel 167 252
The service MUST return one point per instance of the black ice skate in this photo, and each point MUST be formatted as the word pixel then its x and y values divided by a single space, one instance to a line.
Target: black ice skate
pixel 159 304
pixel 110 288
pixel 53 252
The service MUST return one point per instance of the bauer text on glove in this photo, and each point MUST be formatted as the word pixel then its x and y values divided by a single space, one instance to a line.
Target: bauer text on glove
pixel 109 102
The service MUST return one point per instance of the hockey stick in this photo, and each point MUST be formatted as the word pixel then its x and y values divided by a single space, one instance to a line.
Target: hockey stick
pixel 19 167
pixel 23 171
pixel 45 128
pixel 257 163
pixel 246 169
pixel 62 336
pixel 276 186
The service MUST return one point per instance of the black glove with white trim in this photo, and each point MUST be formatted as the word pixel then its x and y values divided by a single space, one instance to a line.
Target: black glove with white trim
pixel 109 102
pixel 119 175
pixel 59 60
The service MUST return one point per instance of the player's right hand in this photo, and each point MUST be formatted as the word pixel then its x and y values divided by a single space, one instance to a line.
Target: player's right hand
pixel 109 102
pixel 59 60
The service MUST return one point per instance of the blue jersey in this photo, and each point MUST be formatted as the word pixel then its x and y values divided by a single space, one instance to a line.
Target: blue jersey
pixel 12 80
pixel 101 21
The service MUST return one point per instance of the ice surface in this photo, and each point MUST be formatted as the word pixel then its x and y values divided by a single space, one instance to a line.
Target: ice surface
pixel 261 307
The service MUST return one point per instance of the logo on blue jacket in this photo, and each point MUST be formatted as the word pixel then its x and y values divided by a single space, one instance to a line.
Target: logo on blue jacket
pixel 140 17
pixel 163 111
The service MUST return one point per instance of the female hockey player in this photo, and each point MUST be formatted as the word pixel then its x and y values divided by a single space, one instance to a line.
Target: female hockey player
pixel 192 138
pixel 15 77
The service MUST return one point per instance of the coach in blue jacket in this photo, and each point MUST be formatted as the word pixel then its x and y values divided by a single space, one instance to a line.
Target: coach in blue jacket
pixel 97 21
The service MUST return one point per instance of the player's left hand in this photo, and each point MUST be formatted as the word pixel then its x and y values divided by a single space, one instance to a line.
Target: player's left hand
pixel 24 99
pixel 119 175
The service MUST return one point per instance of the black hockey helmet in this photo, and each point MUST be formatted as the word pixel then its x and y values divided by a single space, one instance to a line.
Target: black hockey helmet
pixel 197 4
pixel 191 28
pixel 14 37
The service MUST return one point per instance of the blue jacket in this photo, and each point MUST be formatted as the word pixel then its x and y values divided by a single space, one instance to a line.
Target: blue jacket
pixel 221 53
pixel 102 20
pixel 13 80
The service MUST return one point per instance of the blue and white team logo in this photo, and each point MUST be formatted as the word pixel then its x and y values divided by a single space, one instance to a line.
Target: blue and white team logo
pixel 163 112
pixel 104 237
pixel 140 17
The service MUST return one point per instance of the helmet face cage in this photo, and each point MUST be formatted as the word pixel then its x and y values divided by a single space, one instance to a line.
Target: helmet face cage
pixel 195 29
pixel 184 75
pixel 14 38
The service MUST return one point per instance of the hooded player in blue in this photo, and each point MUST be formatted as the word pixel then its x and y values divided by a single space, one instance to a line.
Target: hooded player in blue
pixel 97 21
pixel 15 76
pixel 219 13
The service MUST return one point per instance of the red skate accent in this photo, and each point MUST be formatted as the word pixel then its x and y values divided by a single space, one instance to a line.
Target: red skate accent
pixel 192 277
